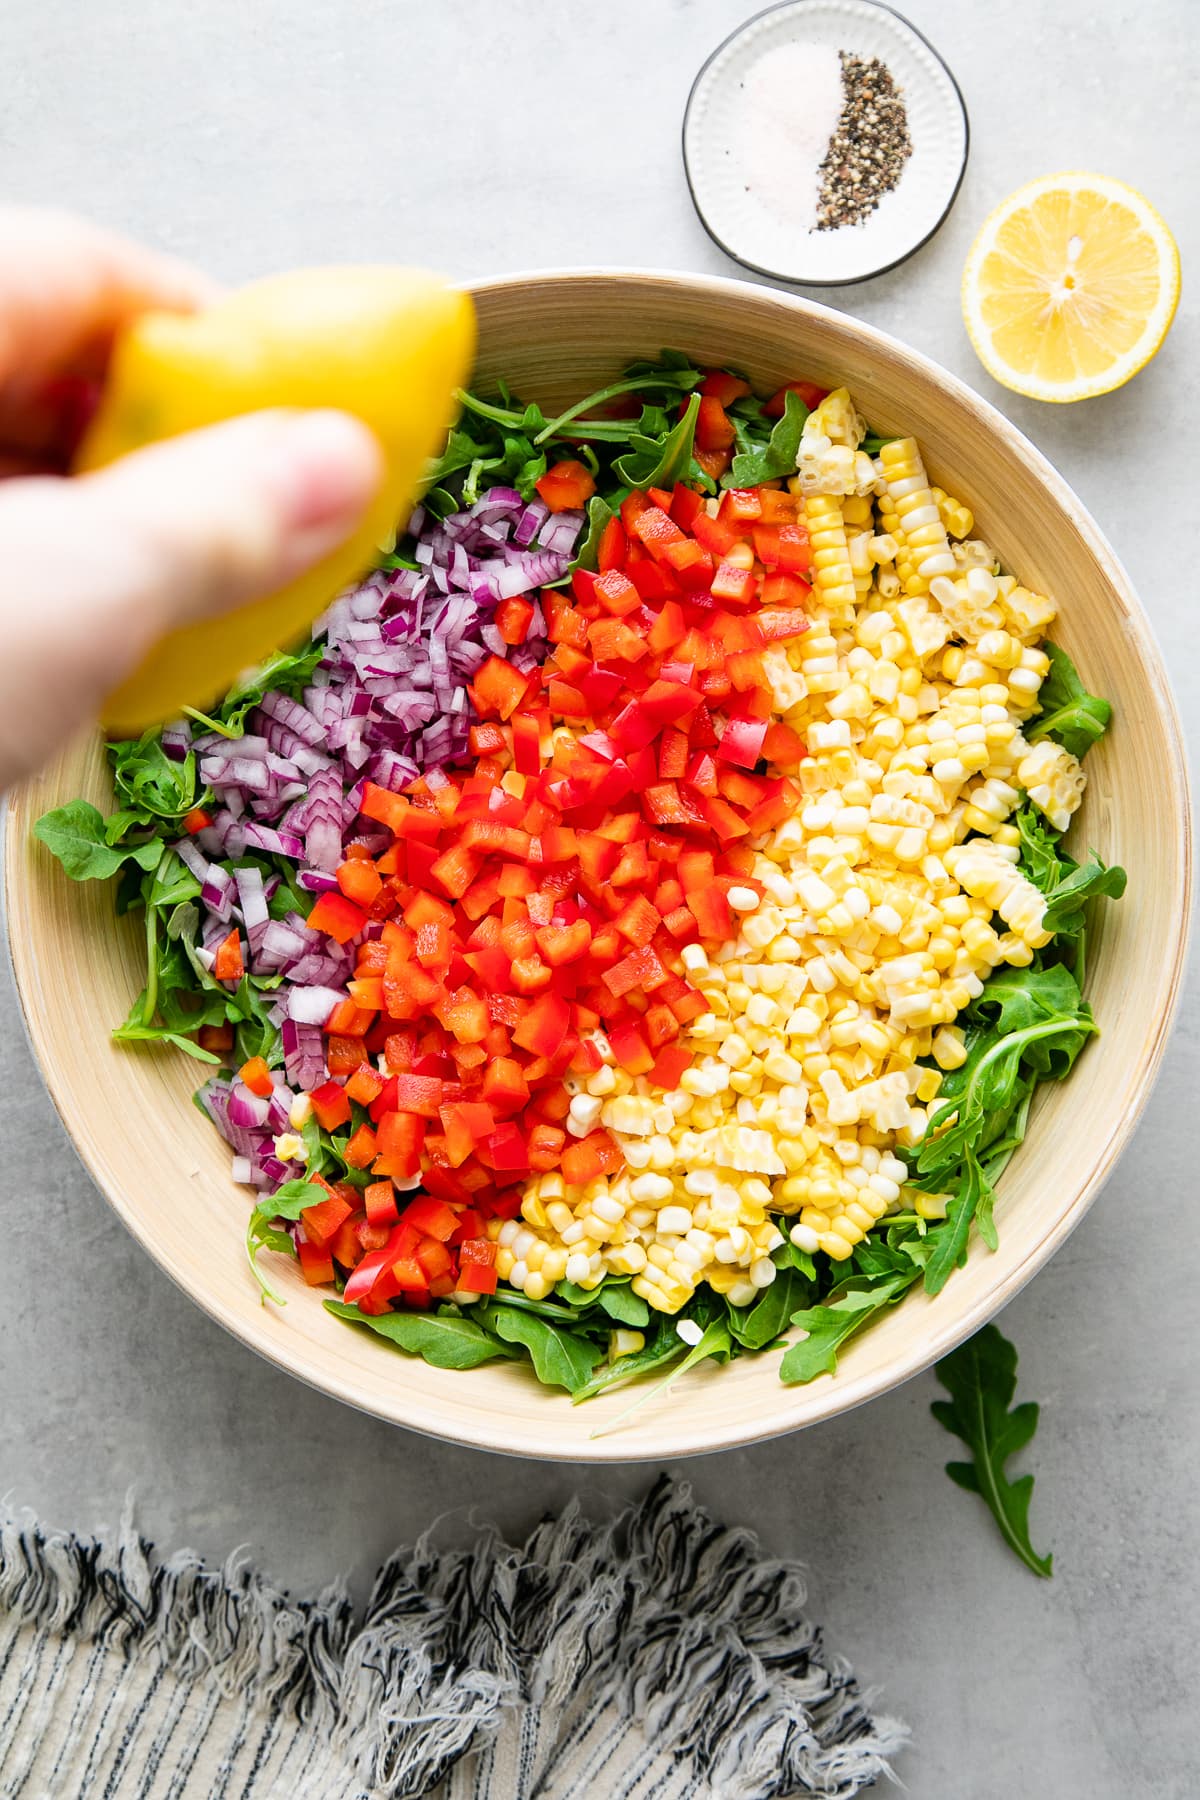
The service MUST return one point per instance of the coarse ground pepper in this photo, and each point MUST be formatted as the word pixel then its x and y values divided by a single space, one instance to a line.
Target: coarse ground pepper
pixel 869 147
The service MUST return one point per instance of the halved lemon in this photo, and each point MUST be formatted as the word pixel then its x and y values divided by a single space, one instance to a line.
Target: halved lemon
pixel 1070 287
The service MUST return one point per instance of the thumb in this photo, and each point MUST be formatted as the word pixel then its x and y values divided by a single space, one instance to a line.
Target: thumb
pixel 94 569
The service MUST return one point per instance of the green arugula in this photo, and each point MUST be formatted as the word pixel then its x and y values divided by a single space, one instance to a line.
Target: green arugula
pixel 777 456
pixel 560 1357
pixel 1069 715
pixel 716 1344
pixel 75 834
pixel 855 1301
pixel 660 461
pixel 599 512
pixel 445 1340
pixel 981 1379
pixel 1067 885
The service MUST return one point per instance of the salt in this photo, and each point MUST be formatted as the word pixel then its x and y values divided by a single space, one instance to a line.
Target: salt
pixel 786 112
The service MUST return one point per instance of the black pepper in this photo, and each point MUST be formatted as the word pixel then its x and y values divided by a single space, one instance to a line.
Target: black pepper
pixel 869 147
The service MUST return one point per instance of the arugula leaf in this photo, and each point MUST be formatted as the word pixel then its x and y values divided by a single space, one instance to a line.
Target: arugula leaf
pixel 75 834
pixel 651 463
pixel 852 1304
pixel 599 513
pixel 444 1340
pixel 285 672
pixel 614 1297
pixel 1068 885
pixel 662 1348
pixel 981 1379
pixel 1065 914
pixel 766 462
pixel 289 1201
pixel 131 1032
pixel 1069 715
pixel 949 1239
pixel 668 374
pixel 717 1343
pixel 767 1318
pixel 560 1357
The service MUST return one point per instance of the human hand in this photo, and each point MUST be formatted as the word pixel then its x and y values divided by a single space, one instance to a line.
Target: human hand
pixel 95 568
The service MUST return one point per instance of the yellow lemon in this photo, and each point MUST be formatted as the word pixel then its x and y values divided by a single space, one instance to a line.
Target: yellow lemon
pixel 1070 287
pixel 387 344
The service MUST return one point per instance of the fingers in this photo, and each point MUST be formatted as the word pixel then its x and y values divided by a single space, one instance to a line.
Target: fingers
pixel 93 570
pixel 66 285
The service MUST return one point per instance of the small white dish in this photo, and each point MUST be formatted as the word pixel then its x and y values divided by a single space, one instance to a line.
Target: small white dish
pixel 751 220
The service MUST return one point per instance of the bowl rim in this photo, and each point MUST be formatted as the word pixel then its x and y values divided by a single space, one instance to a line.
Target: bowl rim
pixel 809 281
pixel 681 1434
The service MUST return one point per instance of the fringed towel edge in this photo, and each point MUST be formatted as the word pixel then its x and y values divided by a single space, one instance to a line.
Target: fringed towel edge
pixel 697 1637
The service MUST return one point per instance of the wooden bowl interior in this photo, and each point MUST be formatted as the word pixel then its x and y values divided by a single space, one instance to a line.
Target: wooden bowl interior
pixel 166 1172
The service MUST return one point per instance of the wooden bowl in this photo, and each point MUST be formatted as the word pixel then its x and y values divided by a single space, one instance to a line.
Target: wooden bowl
pixel 555 337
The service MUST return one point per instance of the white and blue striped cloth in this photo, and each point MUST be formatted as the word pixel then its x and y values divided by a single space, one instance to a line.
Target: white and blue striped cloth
pixel 655 1657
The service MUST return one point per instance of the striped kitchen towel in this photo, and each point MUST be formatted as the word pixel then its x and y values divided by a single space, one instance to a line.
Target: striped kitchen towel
pixel 654 1657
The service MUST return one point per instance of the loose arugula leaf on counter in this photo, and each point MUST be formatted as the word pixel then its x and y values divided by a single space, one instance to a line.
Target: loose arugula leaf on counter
pixel 981 1379
pixel 1069 715
pixel 767 462
pixel 444 1340
pixel 75 834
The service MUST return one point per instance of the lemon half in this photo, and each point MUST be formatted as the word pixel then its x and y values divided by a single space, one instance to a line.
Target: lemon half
pixel 1070 288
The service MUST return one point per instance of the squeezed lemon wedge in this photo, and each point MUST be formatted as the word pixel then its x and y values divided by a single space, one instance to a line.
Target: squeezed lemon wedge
pixel 1070 287
pixel 387 344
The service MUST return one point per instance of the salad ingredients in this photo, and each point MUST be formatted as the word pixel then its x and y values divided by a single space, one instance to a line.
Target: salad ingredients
pixel 1070 287
pixel 389 345
pixel 634 928
pixel 981 1379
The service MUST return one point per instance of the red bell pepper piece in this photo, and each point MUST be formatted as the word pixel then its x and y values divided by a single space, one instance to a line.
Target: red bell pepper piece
pixel 337 917
pixel 379 1198
pixel 499 688
pixel 741 742
pixel 566 486
pixel 544 1026
pixel 257 1077
pixel 722 386
pixel 512 620
pixel 808 391
pixel 714 428
pixel 669 1066
pixel 613 547
pixel 228 964
pixel 196 821
pixel 322 1221
pixel 316 1264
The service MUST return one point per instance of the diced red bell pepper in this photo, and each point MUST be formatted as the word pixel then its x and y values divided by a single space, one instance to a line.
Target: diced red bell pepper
pixel 504 1086
pixel 714 428
pixel 640 970
pixel 544 1026
pixel 196 821
pixel 257 1077
pixel 379 1198
pixel 217 1038
pixel 711 911
pixel 228 964
pixel 322 1221
pixel 477 1277
pixel 808 391
pixel 337 917
pixel 589 1157
pixel 359 881
pixel 613 547
pixel 401 1135
pixel 513 618
pixel 365 1084
pixel 670 1065
pixel 686 506
pixel 419 1094
pixel 741 742
pixel 617 593
pixel 720 385
pixel 499 688
pixel 630 1048
pixel 566 486
pixel 430 1216
pixel 734 585
pixel 544 1147
pixel 361 1148
pixel 316 1264
pixel 741 504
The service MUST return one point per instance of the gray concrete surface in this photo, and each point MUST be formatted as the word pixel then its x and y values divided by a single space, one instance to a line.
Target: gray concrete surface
pixel 484 137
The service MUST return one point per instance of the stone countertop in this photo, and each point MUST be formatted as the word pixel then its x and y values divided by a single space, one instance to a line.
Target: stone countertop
pixel 483 138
